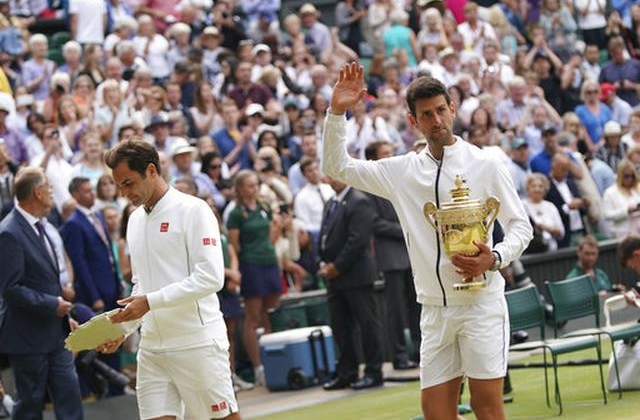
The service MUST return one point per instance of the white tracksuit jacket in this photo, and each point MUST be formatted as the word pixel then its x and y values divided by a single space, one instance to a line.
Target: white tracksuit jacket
pixel 176 261
pixel 411 180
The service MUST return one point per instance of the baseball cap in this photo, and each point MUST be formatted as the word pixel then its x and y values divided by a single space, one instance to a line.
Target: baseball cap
pixel 519 142
pixel 549 129
pixel 260 48
pixel 612 128
pixel 267 16
pixel 254 109
pixel 606 90
pixel 158 119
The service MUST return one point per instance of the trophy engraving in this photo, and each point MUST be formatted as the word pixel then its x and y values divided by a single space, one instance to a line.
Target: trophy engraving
pixel 461 222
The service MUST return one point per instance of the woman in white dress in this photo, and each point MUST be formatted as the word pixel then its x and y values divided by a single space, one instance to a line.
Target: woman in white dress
pixel 543 213
pixel 621 202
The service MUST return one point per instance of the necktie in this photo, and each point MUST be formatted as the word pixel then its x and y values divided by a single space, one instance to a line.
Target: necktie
pixel 48 246
pixel 103 236
pixel 326 222
pixel 98 226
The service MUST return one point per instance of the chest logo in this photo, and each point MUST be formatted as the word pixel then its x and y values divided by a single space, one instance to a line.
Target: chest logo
pixel 164 227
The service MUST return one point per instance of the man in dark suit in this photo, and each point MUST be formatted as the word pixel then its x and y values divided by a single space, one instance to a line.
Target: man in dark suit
pixel 350 270
pixel 564 194
pixel 33 314
pixel 392 258
pixel 88 245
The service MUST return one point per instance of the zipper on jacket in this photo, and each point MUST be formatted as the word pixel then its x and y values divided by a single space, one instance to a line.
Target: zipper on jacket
pixel 439 251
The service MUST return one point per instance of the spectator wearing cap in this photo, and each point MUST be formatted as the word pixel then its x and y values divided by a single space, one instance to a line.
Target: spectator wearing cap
pixel 612 151
pixel 519 167
pixel 246 91
pixel 159 129
pixel 88 21
pixel 593 114
pixel 317 31
pixel 210 41
pixel 620 110
pixel 37 71
pixel 450 62
pixel 622 73
pixel 542 161
pixel 179 37
pixel 261 9
pixel 183 164
pixel 262 58
pixel 265 29
pixel 235 146
pixel 152 47
pixel 254 114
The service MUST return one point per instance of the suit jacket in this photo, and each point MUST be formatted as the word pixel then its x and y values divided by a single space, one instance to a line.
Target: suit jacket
pixel 555 197
pixel 30 287
pixel 390 248
pixel 95 276
pixel 348 242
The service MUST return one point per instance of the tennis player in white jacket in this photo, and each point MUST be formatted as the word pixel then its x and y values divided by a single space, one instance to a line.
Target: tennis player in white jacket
pixel 464 333
pixel 177 266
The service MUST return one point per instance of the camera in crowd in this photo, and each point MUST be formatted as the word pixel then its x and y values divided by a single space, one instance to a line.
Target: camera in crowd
pixel 99 376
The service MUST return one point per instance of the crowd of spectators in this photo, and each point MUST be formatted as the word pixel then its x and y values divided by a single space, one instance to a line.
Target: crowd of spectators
pixel 228 87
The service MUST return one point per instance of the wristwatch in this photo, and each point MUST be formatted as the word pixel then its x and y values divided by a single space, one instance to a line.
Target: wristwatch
pixel 497 262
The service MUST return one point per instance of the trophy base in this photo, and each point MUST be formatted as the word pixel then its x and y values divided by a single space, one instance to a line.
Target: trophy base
pixel 469 285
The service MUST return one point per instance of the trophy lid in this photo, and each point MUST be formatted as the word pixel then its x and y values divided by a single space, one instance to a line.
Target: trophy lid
pixel 460 196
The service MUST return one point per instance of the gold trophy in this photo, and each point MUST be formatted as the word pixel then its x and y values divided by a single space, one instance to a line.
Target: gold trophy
pixel 461 222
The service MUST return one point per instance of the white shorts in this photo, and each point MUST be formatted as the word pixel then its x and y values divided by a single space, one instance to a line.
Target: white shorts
pixel 470 341
pixel 195 381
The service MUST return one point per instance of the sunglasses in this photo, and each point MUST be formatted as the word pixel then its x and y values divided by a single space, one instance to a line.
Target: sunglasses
pixel 215 166
pixel 590 92
pixel 629 176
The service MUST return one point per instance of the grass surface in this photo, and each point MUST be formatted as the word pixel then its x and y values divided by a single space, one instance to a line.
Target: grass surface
pixel 579 386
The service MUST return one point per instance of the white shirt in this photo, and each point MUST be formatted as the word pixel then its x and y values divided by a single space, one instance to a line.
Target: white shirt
pixel 90 15
pixel 309 204
pixel 59 175
pixel 156 58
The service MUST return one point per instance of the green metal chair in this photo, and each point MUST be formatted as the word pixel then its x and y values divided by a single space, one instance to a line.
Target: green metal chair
pixel 525 312
pixel 58 39
pixel 577 298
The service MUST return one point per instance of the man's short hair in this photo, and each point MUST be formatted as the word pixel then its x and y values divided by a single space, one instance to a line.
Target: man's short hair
pixel 626 249
pixel 76 183
pixel 136 153
pixel 190 183
pixel 26 181
pixel 305 162
pixel 424 88
pixel 587 240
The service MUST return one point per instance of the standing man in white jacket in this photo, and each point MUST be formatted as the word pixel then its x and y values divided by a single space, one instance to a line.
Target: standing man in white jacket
pixel 177 268
pixel 464 333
